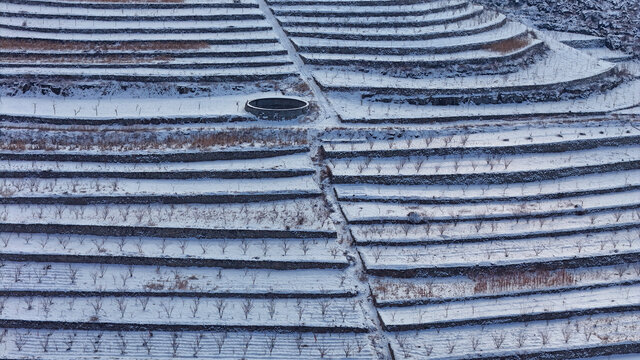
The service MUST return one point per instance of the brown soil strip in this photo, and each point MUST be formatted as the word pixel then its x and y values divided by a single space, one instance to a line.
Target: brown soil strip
pixel 143 139
pixel 508 45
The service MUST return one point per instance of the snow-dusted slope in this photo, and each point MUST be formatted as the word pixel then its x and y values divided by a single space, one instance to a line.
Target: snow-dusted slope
pixel 380 61
pixel 194 28
pixel 478 246
pixel 219 252
pixel 462 187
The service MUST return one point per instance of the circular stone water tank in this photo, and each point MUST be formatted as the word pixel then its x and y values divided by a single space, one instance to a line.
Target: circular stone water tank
pixel 277 108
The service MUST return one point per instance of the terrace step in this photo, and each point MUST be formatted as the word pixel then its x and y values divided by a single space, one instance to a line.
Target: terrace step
pixel 224 252
pixel 451 170
pixel 463 27
pixel 513 309
pixel 586 337
pixel 149 316
pixel 599 249
pixel 576 40
pixel 344 2
pixel 516 142
pixel 142 64
pixel 182 49
pixel 481 231
pixel 225 345
pixel 473 60
pixel 374 212
pixel 77 279
pixel 383 21
pixel 272 167
pixel 39 11
pixel 606 54
pixel 494 284
pixel 108 29
pixel 83 191
pixel 558 188
pixel 215 233
pixel 140 4
pixel 368 11
pixel 157 156
pixel 66 71
pixel 546 80
pixel 214 38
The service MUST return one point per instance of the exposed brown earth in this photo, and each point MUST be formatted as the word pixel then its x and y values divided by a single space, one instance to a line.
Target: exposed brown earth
pixel 509 45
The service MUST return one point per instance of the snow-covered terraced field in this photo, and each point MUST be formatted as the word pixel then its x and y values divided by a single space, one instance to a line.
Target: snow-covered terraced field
pixel 296 214
pixel 558 188
pixel 468 26
pixel 399 110
pixel 390 291
pixel 571 251
pixel 545 75
pixel 230 252
pixel 377 60
pixel 342 315
pixel 145 280
pixel 530 307
pixel 474 169
pixel 359 213
pixel 236 252
pixel 585 335
pixel 508 229
pixel 291 165
pixel 88 190
pixel 47 24
pixel 269 267
pixel 91 344
pixel 461 186
pixel 551 137
pixel 207 177
pixel 522 243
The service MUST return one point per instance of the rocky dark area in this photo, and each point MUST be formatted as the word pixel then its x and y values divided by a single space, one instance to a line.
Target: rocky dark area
pixel 616 20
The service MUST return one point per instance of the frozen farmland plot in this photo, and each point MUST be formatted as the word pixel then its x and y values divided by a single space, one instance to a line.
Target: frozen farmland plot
pixel 473 254
pixel 462 186
pixel 175 244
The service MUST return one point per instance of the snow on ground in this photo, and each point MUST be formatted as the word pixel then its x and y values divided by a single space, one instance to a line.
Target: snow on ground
pixel 390 291
pixel 127 107
pixel 351 108
pixel 151 280
pixel 483 164
pixel 136 249
pixel 226 345
pixel 375 212
pixel 293 162
pixel 44 188
pixel 511 307
pixel 221 241
pixel 548 135
pixel 500 253
pixel 529 337
pixel 298 214
pixel 455 231
pixel 475 193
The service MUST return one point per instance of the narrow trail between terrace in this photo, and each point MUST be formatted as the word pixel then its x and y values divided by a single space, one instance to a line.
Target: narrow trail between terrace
pixel 331 117
pixel 357 271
